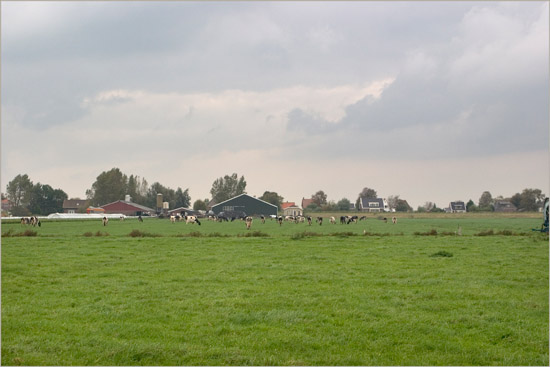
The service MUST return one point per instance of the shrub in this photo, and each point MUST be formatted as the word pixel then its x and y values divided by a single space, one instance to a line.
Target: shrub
pixel 442 254
pixel 433 232
pixel 138 233
pixel 254 234
pixel 27 233
pixel 88 234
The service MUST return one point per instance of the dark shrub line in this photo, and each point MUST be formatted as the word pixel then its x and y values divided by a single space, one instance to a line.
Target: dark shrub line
pixel 27 233
pixel 97 234
pixel 138 233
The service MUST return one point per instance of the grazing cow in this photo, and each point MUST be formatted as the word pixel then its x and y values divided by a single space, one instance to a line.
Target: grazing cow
pixel 33 221
pixel 343 219
pixel 320 220
pixel 353 219
pixel 364 217
pixel 262 217
pixel 140 218
pixel 280 219
pixel 122 218
pixel 385 220
pixel 25 220
pixel 105 221
pixel 173 219
pixel 248 221
pixel 394 220
pixel 332 220
pixel 309 220
pixel 192 219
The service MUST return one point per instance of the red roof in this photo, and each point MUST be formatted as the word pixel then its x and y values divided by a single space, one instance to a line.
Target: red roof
pixel 287 204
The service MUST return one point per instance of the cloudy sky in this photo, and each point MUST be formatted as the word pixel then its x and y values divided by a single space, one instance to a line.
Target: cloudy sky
pixel 432 101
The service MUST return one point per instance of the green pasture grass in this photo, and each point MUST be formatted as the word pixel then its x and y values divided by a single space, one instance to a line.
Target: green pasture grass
pixel 217 294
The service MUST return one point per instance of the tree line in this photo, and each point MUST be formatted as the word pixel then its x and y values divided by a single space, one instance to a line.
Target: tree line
pixel 27 198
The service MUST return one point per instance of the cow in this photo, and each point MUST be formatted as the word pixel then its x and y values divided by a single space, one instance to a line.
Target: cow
pixel 309 220
pixel 343 219
pixel 140 218
pixel 122 218
pixel 394 220
pixel 248 221
pixel 105 221
pixel 280 220
pixel 173 219
pixel 332 220
pixel 319 220
pixel 25 220
pixel 192 219
pixel 262 217
pixel 364 217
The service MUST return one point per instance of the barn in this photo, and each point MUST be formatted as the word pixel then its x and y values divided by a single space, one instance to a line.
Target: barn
pixel 246 203
pixel 127 208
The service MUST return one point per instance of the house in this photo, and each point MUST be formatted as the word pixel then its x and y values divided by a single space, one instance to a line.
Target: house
pixel 504 206
pixel 373 205
pixel 293 211
pixel 352 206
pixel 245 203
pixel 127 208
pixel 456 207
pixel 6 205
pixel 306 203
pixel 287 204
pixel 72 206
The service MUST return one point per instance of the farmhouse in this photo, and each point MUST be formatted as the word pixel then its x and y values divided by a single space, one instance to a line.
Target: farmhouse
pixel 246 203
pixel 287 204
pixel 457 207
pixel 373 205
pixel 505 206
pixel 75 206
pixel 293 211
pixel 127 208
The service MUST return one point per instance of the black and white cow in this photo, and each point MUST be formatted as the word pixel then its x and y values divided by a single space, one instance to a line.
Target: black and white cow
pixel 105 221
pixel 248 221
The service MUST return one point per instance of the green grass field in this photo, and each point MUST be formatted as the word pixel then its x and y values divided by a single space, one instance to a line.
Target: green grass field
pixel 414 293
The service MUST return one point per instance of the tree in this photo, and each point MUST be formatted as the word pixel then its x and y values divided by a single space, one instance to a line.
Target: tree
pixel 199 205
pixel 486 202
pixel 182 198
pixel 319 198
pixel 272 198
pixel 528 200
pixel 45 200
pixel 19 191
pixel 109 186
pixel 471 206
pixel 343 204
pixel 224 188
pixel 402 206
pixel 392 201
pixel 137 189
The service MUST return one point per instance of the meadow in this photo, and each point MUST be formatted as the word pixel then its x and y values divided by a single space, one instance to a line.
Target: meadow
pixel 371 293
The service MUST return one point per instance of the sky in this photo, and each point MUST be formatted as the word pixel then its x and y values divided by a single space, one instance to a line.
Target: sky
pixel 431 101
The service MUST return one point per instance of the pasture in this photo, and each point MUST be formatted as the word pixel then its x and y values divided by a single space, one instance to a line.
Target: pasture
pixel 371 293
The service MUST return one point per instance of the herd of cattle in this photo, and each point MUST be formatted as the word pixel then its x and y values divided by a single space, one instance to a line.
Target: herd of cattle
pixel 230 217
pixel 224 217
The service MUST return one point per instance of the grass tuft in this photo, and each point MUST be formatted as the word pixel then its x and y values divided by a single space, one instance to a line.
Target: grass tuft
pixel 253 234
pixel 442 254
pixel 138 233
pixel 433 232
